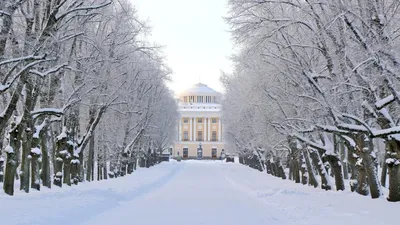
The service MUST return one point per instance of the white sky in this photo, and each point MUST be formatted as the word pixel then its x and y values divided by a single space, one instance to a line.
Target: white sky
pixel 197 44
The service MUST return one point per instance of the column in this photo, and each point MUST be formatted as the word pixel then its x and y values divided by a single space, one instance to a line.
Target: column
pixel 219 130
pixel 209 129
pixel 190 129
pixel 204 129
pixel 180 129
pixel 194 129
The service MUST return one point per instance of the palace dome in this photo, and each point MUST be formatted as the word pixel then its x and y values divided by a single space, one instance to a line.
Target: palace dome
pixel 199 89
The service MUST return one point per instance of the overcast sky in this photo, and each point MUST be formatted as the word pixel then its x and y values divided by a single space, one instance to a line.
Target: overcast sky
pixel 196 38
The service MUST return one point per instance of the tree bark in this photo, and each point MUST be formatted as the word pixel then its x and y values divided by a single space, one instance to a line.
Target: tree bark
pixel 90 162
pixel 12 159
pixel 362 183
pixel 45 165
pixel 61 153
pixel 337 171
pixel 316 159
pixel 370 163
pixel 268 166
pixel 1 168
pixel 303 169
pixel 311 174
pixel 343 157
pixel 384 166
pixel 393 164
pixel 280 169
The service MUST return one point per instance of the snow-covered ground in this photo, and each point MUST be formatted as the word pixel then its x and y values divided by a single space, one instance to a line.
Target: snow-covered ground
pixel 195 192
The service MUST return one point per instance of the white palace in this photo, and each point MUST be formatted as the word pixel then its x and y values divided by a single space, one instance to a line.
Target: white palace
pixel 199 124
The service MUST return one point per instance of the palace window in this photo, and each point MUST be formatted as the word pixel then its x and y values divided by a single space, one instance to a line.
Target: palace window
pixel 185 152
pixel 214 153
pixel 200 120
pixel 185 136
pixel 214 120
pixel 185 120
pixel 214 136
pixel 199 135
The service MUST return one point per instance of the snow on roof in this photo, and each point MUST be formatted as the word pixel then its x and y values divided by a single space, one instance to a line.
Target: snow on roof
pixel 199 88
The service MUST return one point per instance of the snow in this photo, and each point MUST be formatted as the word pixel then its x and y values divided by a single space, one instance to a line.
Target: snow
pixel 36 151
pixel 351 141
pixel 380 103
pixel 328 145
pixel 63 134
pixel 39 129
pixel 75 161
pixel 195 192
pixel 383 132
pixel 9 149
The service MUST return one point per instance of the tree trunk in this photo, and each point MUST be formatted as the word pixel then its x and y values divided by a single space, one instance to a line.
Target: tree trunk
pixel 362 183
pixel 311 174
pixel 268 166
pixel 45 174
pixel 274 172
pixel 370 163
pixel 296 171
pixel 384 166
pixel 105 173
pixel 90 162
pixel 35 176
pixel 35 165
pixel 75 163
pixel 81 171
pixel 325 178
pixel 337 171
pixel 12 159
pixel 303 169
pixel 394 181
pixel 290 168
pixel 352 158
pixel 1 168
pixel 393 164
pixel 11 168
pixel 280 169
pixel 343 157
pixel 26 160
pixel 67 170
pixel 61 153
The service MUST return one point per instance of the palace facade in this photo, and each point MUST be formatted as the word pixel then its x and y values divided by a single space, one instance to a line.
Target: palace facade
pixel 199 124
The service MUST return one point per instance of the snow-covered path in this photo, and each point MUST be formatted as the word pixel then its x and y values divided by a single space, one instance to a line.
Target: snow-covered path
pixel 195 192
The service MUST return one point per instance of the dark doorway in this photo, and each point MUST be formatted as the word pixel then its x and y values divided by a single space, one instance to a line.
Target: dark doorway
pixel 214 153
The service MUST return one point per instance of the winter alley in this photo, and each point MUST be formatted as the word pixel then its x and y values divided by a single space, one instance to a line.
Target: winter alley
pixel 195 192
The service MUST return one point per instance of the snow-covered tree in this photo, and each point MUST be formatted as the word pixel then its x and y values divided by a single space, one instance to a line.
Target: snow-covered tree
pixel 324 77
pixel 75 75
